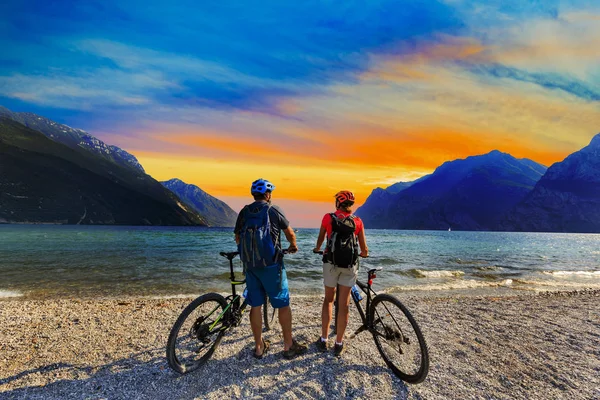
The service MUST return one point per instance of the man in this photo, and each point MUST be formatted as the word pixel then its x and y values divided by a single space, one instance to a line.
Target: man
pixel 345 233
pixel 258 235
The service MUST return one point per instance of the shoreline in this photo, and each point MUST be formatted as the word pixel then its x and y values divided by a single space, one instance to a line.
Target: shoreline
pixel 526 345
pixel 9 295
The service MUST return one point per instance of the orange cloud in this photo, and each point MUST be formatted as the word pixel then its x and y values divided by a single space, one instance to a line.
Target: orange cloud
pixel 415 65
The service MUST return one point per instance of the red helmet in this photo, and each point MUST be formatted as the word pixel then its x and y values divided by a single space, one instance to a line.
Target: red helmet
pixel 343 196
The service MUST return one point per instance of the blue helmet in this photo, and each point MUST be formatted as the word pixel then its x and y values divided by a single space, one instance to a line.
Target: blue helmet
pixel 261 186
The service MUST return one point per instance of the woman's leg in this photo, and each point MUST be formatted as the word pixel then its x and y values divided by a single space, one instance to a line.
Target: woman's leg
pixel 342 320
pixel 327 311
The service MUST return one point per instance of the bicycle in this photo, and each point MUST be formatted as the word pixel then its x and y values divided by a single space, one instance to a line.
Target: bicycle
pixel 395 331
pixel 207 318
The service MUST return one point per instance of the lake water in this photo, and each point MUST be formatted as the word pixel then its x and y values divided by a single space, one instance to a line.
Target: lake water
pixel 40 261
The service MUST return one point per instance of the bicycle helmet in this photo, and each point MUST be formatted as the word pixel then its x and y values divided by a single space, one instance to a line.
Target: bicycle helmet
pixel 343 196
pixel 261 186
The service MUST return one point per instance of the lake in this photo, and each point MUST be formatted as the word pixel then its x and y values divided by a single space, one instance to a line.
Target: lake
pixel 41 261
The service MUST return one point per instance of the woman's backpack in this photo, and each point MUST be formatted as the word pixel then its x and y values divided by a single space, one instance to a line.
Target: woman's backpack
pixel 256 246
pixel 342 247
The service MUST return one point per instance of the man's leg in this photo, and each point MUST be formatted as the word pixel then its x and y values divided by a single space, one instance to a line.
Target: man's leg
pixel 255 299
pixel 342 321
pixel 256 324
pixel 285 319
pixel 327 311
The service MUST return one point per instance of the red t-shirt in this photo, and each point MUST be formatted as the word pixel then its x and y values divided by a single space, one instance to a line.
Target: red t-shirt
pixel 340 214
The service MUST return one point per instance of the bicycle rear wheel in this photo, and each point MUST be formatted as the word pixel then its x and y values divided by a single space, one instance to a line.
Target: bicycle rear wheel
pixel 399 339
pixel 196 333
pixel 268 315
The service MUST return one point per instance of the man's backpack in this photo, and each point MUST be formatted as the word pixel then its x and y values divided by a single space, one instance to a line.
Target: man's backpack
pixel 256 246
pixel 342 247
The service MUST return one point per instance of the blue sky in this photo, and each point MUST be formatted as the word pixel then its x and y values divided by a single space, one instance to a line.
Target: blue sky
pixel 191 87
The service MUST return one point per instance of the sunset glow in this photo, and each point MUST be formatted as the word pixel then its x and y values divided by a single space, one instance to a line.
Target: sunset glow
pixel 315 98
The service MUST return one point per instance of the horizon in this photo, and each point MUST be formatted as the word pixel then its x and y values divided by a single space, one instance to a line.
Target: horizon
pixel 315 98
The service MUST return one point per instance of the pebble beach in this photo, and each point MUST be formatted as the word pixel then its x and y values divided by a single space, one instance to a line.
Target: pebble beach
pixel 529 346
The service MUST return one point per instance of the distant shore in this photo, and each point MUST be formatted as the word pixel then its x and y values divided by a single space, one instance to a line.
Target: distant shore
pixel 527 346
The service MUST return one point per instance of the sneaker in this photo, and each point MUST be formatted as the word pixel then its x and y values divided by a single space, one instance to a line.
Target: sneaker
pixel 338 349
pixel 321 345
pixel 296 350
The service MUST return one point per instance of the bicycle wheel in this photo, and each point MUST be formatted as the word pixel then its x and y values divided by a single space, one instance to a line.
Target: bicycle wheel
pixel 268 315
pixel 196 333
pixel 399 339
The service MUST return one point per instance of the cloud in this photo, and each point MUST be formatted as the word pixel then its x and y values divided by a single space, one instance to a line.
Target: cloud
pixel 346 90
pixel 547 80
pixel 101 87
pixel 249 57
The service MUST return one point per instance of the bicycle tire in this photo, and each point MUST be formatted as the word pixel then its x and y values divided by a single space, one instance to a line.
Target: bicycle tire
pixel 390 329
pixel 268 315
pixel 197 334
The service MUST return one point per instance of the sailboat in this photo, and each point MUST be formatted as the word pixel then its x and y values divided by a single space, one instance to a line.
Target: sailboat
pixel 449 229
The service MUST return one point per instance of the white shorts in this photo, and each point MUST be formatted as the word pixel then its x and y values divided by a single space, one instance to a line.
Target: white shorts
pixel 333 276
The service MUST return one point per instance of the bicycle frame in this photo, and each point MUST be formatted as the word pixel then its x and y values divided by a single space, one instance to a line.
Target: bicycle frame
pixel 234 298
pixel 234 283
pixel 364 314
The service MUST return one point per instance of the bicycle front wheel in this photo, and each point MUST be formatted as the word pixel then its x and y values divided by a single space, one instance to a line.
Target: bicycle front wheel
pixel 196 333
pixel 399 339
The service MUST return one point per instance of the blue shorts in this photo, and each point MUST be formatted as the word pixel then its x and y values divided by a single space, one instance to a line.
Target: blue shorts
pixel 267 281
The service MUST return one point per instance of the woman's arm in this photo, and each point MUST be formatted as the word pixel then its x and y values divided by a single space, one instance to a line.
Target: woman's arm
pixel 362 242
pixel 320 239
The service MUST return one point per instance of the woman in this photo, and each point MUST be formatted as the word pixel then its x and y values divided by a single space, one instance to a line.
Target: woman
pixel 345 233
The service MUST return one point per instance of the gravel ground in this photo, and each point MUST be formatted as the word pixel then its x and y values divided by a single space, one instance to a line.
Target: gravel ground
pixel 544 346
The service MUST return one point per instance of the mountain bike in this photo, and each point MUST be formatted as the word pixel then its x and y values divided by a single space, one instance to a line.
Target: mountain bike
pixel 203 323
pixel 395 331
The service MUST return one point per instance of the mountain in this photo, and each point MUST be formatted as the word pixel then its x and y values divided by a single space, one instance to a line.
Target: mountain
pixel 74 138
pixel 42 180
pixel 379 198
pixel 214 211
pixel 566 198
pixel 467 194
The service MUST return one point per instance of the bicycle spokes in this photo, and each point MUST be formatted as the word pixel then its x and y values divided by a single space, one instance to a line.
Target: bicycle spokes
pixel 397 339
pixel 198 333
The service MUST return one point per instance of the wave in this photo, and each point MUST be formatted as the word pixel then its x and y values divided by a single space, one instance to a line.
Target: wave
pixel 385 261
pixel 454 285
pixel 566 274
pixel 489 268
pixel 466 262
pixel 9 293
pixel 420 273
pixel 557 284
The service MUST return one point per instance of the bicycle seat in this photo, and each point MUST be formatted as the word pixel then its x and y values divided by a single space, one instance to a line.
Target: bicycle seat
pixel 230 256
pixel 372 271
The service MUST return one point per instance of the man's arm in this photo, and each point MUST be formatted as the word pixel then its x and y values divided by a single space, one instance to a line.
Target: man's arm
pixel 320 239
pixel 291 237
pixel 238 226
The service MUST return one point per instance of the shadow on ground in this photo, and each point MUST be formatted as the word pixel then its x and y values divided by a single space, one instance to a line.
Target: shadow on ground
pixel 146 375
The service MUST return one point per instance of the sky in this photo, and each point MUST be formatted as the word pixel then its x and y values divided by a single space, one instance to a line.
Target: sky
pixel 316 96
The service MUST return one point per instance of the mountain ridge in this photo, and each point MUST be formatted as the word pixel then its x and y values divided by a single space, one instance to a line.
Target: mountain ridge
pixel 566 199
pixel 73 137
pixel 214 211
pixel 43 180
pixel 468 194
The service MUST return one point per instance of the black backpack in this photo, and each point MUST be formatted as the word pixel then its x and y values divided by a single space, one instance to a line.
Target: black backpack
pixel 342 247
